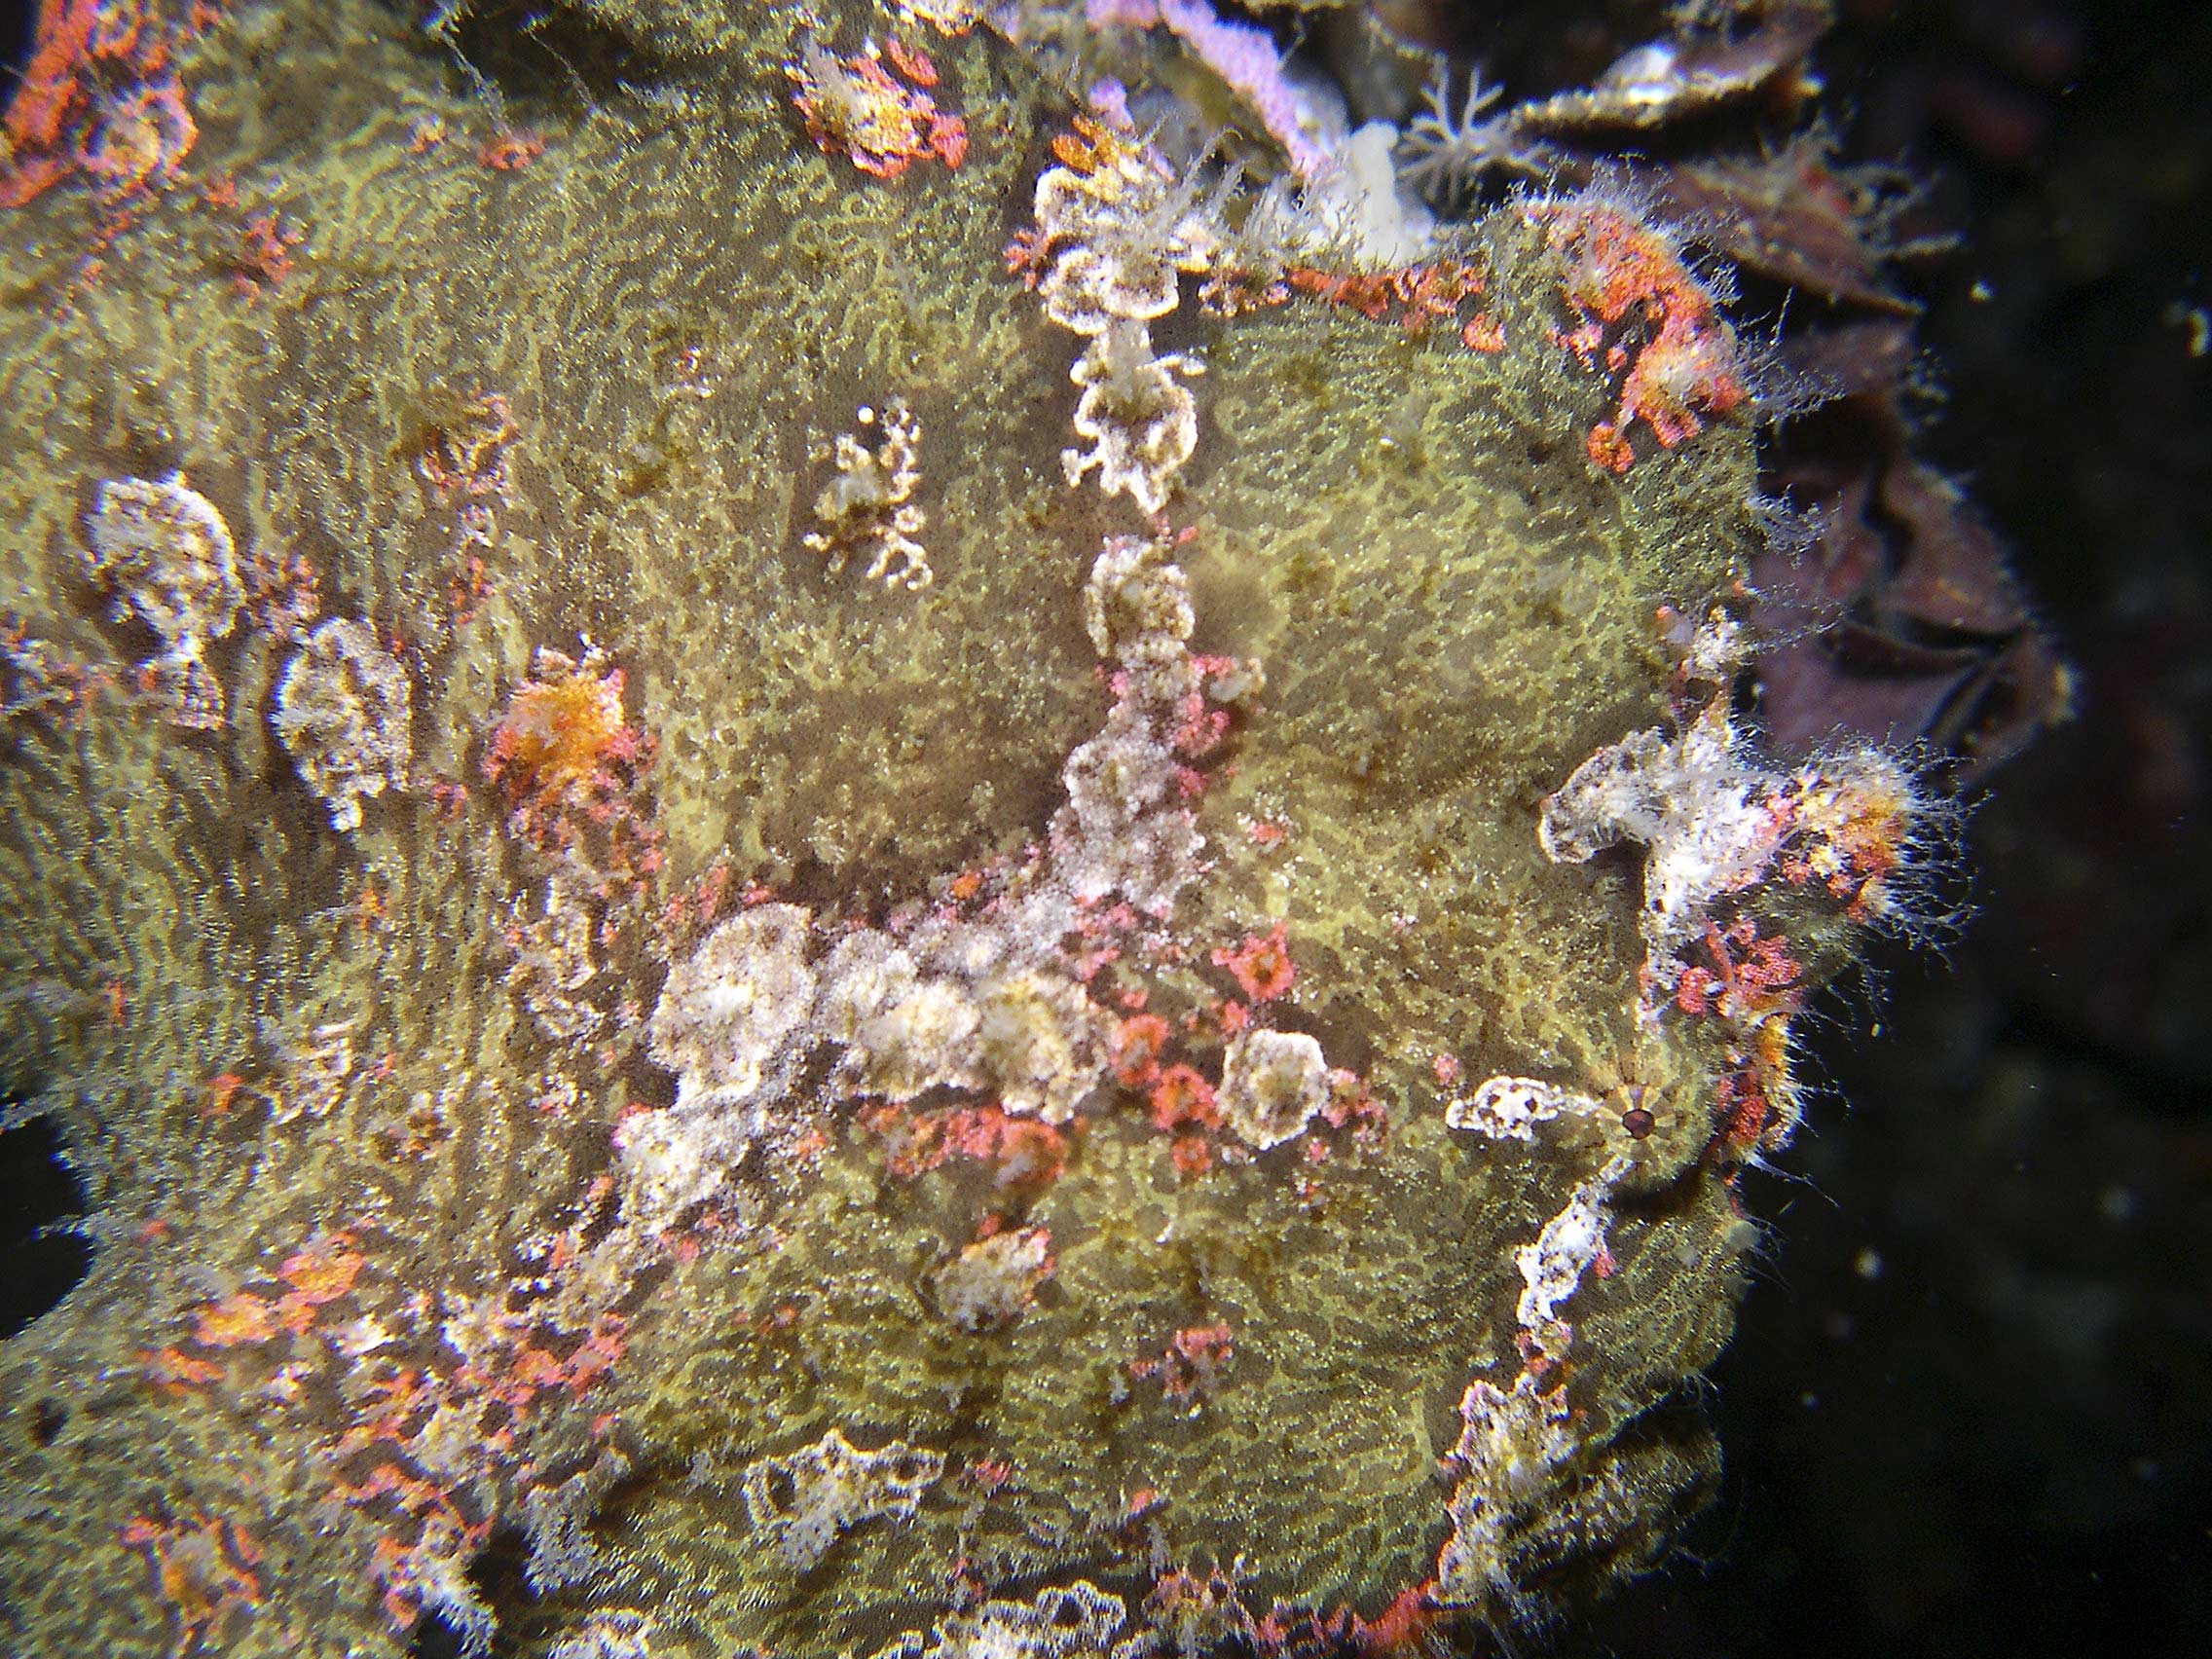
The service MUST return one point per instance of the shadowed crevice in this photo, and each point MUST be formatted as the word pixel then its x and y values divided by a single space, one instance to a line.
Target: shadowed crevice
pixel 40 1261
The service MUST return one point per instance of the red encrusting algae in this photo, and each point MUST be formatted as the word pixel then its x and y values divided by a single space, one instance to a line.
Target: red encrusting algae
pixel 99 96
pixel 1644 316
pixel 856 108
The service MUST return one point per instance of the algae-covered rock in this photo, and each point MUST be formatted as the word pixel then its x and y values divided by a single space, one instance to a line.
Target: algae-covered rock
pixel 553 1205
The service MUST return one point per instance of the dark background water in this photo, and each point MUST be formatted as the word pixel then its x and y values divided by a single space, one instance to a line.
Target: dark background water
pixel 1966 1410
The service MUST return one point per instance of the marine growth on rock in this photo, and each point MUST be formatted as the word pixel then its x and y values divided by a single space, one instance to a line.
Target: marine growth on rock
pixel 1177 1084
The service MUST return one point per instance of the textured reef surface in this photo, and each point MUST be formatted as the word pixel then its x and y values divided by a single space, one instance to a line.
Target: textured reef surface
pixel 804 861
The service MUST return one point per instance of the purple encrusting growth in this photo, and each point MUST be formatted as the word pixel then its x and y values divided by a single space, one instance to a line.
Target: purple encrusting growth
pixel 1242 54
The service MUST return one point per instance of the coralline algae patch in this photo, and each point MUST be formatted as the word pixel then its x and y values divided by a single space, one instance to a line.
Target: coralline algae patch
pixel 836 1029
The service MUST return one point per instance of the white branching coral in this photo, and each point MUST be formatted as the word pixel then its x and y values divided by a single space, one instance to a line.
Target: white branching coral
pixel 1510 1449
pixel 901 1032
pixel 1136 608
pixel 1514 1443
pixel 727 1012
pixel 1509 1108
pixel 165 553
pixel 1125 828
pixel 965 1006
pixel 971 1016
pixel 608 1633
pixel 1745 864
pixel 722 1026
pixel 727 1024
pixel 955 1007
pixel 1271 1084
pixel 1074 1621
pixel 1116 230
pixel 1040 1042
pixel 1119 830
pixel 996 1003
pixel 806 1499
pixel 1116 227
pixel 1450 150
pixel 1696 801
pixel 1141 422
pixel 344 709
pixel 553 964
pixel 869 507
pixel 988 1284
pixel 1569 1245
pixel 1716 821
